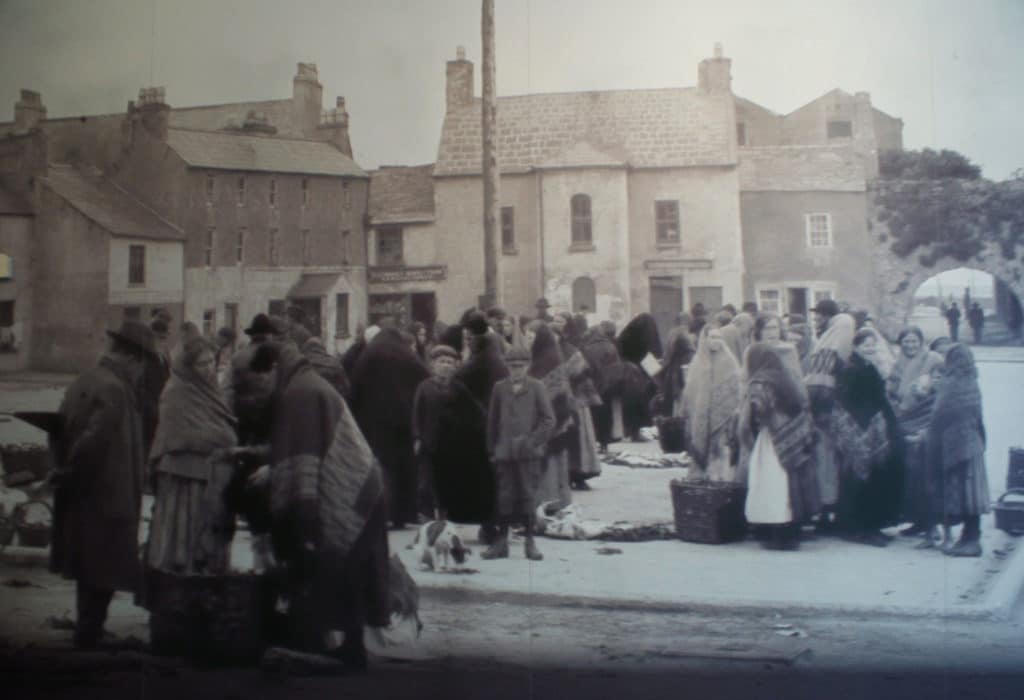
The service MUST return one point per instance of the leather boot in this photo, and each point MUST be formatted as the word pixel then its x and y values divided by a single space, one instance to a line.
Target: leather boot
pixel 532 553
pixel 498 549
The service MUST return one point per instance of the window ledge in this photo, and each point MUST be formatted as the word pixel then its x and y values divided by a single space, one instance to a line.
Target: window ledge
pixel 668 245
pixel 510 251
pixel 582 248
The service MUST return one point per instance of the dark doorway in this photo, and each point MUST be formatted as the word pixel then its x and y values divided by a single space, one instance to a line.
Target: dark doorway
pixel 710 297
pixel 666 302
pixel 797 300
pixel 424 309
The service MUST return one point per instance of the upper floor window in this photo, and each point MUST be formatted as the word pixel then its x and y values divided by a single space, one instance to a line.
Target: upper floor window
pixel 210 188
pixel 211 234
pixel 272 192
pixel 6 267
pixel 305 192
pixel 272 247
pixel 581 223
pixel 819 230
pixel 389 247
pixel 741 134
pixel 136 264
pixel 508 229
pixel 240 247
pixel 306 252
pixel 346 236
pixel 241 191
pixel 666 216
pixel 840 129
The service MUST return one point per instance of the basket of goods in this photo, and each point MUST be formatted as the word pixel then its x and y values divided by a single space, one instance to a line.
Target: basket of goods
pixel 33 521
pixel 1010 512
pixel 710 512
pixel 672 434
pixel 25 457
pixel 1015 469
pixel 212 618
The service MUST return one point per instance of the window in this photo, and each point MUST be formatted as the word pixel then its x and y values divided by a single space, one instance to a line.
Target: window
pixel 305 192
pixel 741 134
pixel 209 322
pixel 6 267
pixel 389 247
pixel 508 229
pixel 769 301
pixel 240 247
pixel 584 295
pixel 211 234
pixel 581 230
pixel 231 316
pixel 210 189
pixel 6 314
pixel 305 246
pixel 137 265
pixel 666 215
pixel 272 192
pixel 840 129
pixel 341 316
pixel 272 251
pixel 241 191
pixel 132 313
pixel 346 236
pixel 819 230
pixel 822 295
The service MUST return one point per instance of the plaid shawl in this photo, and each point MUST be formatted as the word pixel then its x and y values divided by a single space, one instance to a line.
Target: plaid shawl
pixel 833 348
pixel 957 431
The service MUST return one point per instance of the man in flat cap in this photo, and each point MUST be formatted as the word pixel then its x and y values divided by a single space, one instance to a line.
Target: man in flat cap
pixel 99 478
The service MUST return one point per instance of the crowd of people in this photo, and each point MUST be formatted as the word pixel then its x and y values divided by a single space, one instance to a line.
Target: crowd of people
pixel 481 422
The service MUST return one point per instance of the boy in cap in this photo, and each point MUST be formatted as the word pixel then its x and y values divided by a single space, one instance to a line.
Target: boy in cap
pixel 428 410
pixel 519 423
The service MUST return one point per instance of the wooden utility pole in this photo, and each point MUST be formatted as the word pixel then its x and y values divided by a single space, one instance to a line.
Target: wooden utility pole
pixel 492 287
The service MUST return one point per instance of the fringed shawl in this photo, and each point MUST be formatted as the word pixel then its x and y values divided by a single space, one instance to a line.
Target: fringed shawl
pixel 957 431
pixel 833 348
pixel 711 397
pixel 905 375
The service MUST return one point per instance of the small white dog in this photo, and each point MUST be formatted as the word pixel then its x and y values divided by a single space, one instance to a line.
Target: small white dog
pixel 438 541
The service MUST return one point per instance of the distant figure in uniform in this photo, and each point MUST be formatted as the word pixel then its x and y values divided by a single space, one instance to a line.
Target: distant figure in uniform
pixel 953 319
pixel 976 317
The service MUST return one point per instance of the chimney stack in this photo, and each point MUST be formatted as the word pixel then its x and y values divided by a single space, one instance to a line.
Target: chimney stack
pixel 28 111
pixel 715 74
pixel 154 113
pixel 307 99
pixel 334 127
pixel 459 89
pixel 257 122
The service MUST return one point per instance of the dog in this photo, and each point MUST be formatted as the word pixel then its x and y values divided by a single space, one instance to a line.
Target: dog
pixel 438 543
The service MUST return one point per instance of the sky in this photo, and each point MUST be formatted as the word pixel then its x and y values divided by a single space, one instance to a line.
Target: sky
pixel 951 69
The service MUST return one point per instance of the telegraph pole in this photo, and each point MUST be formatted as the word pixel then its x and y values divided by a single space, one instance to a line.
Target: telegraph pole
pixel 492 293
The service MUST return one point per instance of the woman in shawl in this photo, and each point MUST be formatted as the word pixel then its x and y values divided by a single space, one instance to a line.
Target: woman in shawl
pixel 777 437
pixel 636 341
pixel 383 390
pixel 956 451
pixel 671 379
pixel 603 357
pixel 546 364
pixel 870 447
pixel 799 334
pixel 191 529
pixel 912 395
pixel 738 334
pixel 710 403
pixel 583 460
pixel 327 509
pixel 830 354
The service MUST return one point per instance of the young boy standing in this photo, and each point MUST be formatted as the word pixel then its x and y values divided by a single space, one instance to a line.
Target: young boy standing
pixel 428 408
pixel 518 426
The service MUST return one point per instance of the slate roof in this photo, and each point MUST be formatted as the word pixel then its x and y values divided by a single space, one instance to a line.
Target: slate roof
pixel 109 206
pixel 232 151
pixel 217 117
pixel 13 204
pixel 801 169
pixel 402 194
pixel 672 127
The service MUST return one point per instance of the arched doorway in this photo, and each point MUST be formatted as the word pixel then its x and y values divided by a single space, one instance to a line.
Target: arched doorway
pixel 584 295
pixel 971 304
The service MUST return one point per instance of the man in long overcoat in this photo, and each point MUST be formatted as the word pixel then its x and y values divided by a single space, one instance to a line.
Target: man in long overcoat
pixel 99 478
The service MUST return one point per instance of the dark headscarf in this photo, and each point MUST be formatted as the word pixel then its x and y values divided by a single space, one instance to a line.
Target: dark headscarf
pixel 764 364
pixel 452 337
pixel 545 354
pixel 384 384
pixel 638 338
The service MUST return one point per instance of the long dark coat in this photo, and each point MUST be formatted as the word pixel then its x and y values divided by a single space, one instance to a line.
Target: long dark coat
pixel 484 368
pixel 101 466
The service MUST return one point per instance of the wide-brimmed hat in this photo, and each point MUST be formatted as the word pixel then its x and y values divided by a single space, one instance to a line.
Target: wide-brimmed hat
pixel 263 325
pixel 137 335
pixel 826 307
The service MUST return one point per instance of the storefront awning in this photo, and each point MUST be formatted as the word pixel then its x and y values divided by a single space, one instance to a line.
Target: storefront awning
pixel 314 285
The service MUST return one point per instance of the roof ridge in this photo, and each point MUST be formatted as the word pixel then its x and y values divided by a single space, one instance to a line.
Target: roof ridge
pixel 238 133
pixel 231 104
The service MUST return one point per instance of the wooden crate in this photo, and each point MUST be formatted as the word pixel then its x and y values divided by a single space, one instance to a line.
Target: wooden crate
pixel 708 512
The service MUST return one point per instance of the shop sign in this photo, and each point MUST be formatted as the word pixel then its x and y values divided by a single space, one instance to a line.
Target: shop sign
pixel 429 273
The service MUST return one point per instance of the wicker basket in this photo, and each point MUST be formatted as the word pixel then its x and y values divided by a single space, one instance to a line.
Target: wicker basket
pixel 26 458
pixel 1010 514
pixel 708 511
pixel 36 535
pixel 214 619
pixel 1015 469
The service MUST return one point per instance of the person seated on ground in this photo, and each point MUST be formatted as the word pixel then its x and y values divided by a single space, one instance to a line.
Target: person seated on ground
pixel 519 422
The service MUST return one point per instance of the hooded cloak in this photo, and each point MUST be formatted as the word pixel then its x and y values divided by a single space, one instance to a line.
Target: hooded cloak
pixel 710 399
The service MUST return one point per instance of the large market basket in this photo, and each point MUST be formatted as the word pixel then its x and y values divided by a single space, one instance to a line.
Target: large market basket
pixel 708 511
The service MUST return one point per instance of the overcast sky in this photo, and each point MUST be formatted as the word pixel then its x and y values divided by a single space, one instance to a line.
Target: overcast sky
pixel 951 69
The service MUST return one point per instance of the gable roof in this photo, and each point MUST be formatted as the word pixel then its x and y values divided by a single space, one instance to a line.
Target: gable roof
pixel 671 127
pixel 801 169
pixel 231 151
pixel 402 194
pixel 109 206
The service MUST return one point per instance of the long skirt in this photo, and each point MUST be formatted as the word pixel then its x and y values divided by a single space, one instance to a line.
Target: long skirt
pixel 965 490
pixel 191 528
pixel 553 484
pixel 618 425
pixel 826 461
pixel 583 460
pixel 918 501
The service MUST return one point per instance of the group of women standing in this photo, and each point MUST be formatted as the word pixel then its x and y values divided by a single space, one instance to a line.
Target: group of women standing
pixel 842 433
